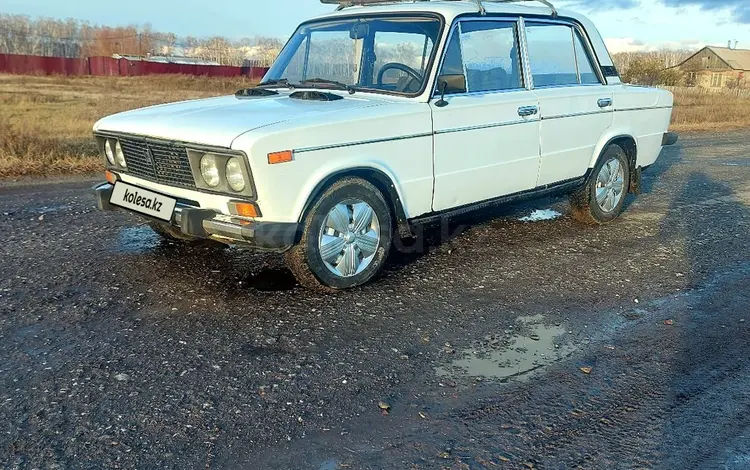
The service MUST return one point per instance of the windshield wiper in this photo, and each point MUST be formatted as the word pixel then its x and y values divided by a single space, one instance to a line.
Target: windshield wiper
pixel 279 82
pixel 324 81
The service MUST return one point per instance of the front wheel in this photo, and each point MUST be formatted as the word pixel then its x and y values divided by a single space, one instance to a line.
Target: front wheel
pixel 346 237
pixel 602 198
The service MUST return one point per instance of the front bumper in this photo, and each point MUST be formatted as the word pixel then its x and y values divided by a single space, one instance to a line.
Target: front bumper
pixel 209 224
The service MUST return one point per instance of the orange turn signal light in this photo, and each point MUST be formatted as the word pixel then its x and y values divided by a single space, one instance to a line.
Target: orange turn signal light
pixel 280 157
pixel 111 177
pixel 246 209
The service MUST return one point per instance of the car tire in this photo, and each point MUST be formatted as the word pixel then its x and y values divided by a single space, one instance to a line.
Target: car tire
pixel 602 198
pixel 170 233
pixel 346 237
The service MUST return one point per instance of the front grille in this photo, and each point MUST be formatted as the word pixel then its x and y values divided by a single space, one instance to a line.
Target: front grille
pixel 161 163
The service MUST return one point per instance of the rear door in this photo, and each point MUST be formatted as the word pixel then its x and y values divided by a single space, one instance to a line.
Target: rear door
pixel 575 106
pixel 487 126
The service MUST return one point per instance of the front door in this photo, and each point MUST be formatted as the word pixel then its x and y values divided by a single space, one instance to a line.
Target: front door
pixel 487 126
pixel 575 107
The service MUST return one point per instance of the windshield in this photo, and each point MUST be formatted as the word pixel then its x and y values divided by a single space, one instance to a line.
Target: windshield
pixel 390 54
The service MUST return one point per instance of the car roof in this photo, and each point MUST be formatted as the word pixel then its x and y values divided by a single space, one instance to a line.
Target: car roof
pixel 450 9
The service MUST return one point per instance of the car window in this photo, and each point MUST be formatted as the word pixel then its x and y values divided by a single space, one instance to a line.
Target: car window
pixel 331 55
pixel 410 49
pixel 295 71
pixel 453 63
pixel 353 51
pixel 551 54
pixel 490 55
pixel 585 64
pixel 486 53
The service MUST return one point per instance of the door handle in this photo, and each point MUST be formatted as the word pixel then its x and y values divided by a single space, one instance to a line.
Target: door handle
pixel 527 111
pixel 605 102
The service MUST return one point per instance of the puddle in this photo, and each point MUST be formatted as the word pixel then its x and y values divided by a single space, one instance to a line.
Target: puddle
pixel 137 240
pixel 517 356
pixel 272 280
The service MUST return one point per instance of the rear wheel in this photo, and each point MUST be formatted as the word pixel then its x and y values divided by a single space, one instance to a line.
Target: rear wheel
pixel 346 237
pixel 602 198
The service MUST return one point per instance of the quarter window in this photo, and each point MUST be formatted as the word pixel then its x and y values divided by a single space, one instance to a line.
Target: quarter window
pixel 557 56
pixel 585 64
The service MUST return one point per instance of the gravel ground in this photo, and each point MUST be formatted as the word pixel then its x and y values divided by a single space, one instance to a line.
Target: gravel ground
pixel 502 344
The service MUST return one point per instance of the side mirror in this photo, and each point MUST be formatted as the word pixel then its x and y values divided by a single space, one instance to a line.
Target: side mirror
pixel 442 85
pixel 450 84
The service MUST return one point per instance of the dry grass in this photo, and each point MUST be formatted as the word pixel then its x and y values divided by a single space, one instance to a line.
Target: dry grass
pixel 45 122
pixel 699 109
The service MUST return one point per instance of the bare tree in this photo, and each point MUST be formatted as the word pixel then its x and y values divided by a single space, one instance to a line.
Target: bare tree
pixel 71 38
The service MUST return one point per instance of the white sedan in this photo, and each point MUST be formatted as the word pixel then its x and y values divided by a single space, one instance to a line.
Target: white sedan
pixel 379 118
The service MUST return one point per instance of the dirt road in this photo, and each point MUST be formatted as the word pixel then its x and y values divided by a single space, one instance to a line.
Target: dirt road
pixel 507 344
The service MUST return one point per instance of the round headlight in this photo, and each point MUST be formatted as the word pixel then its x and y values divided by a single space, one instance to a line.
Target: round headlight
pixel 119 156
pixel 109 152
pixel 210 170
pixel 235 178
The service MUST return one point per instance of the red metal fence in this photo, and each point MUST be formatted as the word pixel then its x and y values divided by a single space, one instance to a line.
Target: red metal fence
pixel 108 66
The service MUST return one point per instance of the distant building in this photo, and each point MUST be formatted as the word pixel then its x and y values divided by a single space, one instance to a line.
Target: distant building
pixel 718 67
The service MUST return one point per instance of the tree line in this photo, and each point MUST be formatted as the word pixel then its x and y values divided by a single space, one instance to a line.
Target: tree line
pixel 661 68
pixel 652 68
pixel 21 34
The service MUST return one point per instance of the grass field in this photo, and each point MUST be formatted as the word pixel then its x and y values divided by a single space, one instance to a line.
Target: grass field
pixel 45 122
pixel 700 109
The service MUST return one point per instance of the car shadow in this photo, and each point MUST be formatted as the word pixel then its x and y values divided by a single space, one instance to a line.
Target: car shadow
pixel 669 157
pixel 708 363
pixel 429 238
pixel 266 272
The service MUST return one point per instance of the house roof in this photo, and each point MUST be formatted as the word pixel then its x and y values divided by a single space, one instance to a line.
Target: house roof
pixel 737 59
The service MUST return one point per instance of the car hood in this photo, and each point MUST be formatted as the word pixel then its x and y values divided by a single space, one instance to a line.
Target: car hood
pixel 219 121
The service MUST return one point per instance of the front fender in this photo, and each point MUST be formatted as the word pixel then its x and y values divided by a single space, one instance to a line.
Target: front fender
pixel 328 173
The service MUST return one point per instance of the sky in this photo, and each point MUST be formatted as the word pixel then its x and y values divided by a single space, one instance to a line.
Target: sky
pixel 627 25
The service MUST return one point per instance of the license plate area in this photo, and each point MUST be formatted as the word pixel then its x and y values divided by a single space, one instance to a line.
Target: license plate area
pixel 143 201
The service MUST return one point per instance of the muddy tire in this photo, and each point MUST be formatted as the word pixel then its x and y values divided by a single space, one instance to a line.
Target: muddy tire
pixel 346 237
pixel 602 198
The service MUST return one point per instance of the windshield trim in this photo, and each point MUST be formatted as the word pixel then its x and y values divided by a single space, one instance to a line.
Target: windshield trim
pixel 433 56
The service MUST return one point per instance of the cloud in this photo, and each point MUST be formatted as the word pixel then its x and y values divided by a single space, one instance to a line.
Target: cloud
pixel 616 45
pixel 739 10
pixel 598 5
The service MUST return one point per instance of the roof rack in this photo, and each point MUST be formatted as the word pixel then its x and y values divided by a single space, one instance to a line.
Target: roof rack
pixel 349 3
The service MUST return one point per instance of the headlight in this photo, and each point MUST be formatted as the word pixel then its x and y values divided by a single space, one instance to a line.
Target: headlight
pixel 210 170
pixel 235 178
pixel 109 152
pixel 119 156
